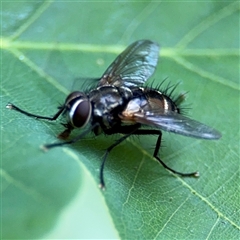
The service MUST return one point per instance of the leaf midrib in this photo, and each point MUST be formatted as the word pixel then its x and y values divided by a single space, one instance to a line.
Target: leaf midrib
pixel 7 44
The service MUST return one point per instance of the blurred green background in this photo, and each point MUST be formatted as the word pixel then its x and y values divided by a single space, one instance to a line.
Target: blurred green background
pixel 45 47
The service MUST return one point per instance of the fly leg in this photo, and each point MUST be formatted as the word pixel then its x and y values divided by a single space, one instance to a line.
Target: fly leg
pixel 157 147
pixel 66 132
pixel 63 135
pixel 134 130
pixel 127 130
pixel 102 184
pixel 77 138
pixel 14 107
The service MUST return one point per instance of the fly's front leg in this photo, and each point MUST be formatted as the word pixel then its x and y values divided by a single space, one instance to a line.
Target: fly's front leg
pixel 14 107
pixel 77 138
pixel 63 135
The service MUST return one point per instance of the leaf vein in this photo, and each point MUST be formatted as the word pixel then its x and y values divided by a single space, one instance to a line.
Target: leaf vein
pixel 171 216
pixel 31 20
pixel 207 22
pixel 205 74
pixel 211 230
pixel 38 197
pixel 184 183
pixel 39 71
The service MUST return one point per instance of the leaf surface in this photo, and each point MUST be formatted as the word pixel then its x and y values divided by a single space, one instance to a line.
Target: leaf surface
pixel 46 46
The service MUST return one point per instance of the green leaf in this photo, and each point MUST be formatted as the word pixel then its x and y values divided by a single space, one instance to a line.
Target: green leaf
pixel 45 46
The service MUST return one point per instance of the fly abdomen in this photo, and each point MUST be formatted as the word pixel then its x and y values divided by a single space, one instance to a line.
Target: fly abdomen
pixel 157 99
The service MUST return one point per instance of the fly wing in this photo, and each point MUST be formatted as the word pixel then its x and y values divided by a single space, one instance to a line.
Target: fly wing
pixel 168 121
pixel 133 66
pixel 84 83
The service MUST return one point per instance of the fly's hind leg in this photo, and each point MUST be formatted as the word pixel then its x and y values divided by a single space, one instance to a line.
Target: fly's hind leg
pixel 157 147
pixel 134 130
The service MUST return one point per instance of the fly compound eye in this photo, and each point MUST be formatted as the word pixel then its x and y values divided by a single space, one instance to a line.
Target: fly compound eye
pixel 73 96
pixel 80 113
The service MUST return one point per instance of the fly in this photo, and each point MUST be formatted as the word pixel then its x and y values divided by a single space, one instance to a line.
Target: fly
pixel 121 104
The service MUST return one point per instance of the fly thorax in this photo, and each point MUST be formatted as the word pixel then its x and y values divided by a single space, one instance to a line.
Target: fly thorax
pixel 105 100
pixel 125 92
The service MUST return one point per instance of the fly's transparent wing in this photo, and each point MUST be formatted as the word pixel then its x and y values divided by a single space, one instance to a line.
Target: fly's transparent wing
pixel 168 121
pixel 177 123
pixel 133 66
pixel 84 84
